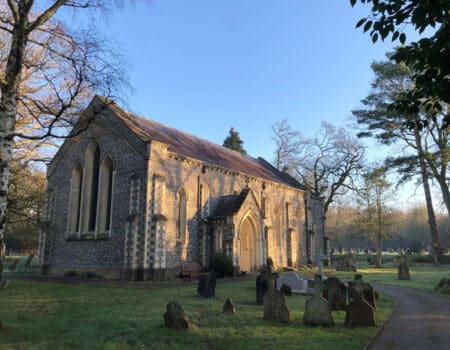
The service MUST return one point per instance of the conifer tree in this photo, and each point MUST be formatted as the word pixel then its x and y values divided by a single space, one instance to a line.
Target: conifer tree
pixel 233 141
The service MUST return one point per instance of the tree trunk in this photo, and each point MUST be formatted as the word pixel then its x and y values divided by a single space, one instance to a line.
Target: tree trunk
pixel 6 130
pixel 436 242
pixel 379 261
pixel 8 105
pixel 445 193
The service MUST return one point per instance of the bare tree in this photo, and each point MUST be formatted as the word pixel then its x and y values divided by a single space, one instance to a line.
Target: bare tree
pixel 325 163
pixel 375 219
pixel 47 73
pixel 288 146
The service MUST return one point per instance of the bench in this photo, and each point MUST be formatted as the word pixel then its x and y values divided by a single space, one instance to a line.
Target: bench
pixel 190 270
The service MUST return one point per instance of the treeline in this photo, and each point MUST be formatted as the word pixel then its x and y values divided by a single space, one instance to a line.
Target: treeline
pixel 410 229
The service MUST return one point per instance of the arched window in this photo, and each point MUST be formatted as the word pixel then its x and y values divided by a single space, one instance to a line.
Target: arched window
pixel 182 214
pixel 92 161
pixel 105 196
pixel 204 200
pixel 218 240
pixel 277 225
pixel 75 199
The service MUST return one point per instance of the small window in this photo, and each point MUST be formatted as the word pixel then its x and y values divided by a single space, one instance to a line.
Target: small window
pixel 182 215
pixel 219 240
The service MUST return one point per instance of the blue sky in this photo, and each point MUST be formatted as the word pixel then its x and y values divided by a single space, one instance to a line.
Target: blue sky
pixel 203 66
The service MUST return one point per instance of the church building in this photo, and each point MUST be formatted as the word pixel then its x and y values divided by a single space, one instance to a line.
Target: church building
pixel 134 199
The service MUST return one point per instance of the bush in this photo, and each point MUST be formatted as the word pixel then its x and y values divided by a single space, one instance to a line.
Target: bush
pixel 222 265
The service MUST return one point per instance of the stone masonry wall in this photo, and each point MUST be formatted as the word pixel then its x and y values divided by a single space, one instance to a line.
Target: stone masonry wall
pixel 188 174
pixel 128 154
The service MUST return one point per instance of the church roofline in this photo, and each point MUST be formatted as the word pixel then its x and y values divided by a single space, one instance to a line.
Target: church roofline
pixel 191 146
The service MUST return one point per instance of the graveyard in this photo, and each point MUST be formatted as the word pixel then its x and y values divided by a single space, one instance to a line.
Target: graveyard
pixel 80 313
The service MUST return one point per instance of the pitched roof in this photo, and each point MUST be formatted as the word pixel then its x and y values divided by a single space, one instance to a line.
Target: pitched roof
pixel 191 146
pixel 229 205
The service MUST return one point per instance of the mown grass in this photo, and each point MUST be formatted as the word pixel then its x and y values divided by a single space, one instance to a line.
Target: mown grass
pixel 423 276
pixel 44 315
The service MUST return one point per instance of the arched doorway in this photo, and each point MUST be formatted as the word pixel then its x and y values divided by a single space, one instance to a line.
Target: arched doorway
pixel 249 245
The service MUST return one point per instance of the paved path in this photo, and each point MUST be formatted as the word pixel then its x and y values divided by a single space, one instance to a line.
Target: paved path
pixel 421 321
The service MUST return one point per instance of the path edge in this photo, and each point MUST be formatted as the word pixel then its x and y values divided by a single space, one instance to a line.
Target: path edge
pixel 381 327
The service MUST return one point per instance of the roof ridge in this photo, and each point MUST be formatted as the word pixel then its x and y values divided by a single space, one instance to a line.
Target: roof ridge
pixel 188 145
pixel 226 149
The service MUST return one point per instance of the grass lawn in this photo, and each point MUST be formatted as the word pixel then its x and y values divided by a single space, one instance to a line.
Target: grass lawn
pixel 423 276
pixel 45 315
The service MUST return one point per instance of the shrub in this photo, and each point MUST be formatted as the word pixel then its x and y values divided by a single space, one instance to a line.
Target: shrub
pixel 222 265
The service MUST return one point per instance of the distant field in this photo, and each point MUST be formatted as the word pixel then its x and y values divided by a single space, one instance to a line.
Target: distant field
pixel 423 276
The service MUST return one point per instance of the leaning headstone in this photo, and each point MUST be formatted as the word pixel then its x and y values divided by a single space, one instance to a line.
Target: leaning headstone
pixel 347 263
pixel 359 313
pixel 206 286
pixel 275 307
pixel 262 286
pixel 317 308
pixel 228 307
pixel 335 292
pixel 174 316
pixel 368 292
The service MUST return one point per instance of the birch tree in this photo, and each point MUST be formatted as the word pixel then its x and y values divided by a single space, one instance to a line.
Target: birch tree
pixel 47 72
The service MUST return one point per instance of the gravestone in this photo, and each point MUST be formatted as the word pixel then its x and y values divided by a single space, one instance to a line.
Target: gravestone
pixel 206 286
pixel 228 307
pixel 347 263
pixel 335 292
pixel 403 269
pixel 174 316
pixel 275 307
pixel 293 280
pixel 317 308
pixel 262 286
pixel 359 313
pixel 367 290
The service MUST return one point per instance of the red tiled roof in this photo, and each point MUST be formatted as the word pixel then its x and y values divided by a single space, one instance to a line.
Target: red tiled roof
pixel 192 146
